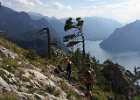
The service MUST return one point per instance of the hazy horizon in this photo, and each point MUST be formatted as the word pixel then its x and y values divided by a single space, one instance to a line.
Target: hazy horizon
pixel 124 11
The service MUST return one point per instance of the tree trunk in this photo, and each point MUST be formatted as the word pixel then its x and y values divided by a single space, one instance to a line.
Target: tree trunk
pixel 83 42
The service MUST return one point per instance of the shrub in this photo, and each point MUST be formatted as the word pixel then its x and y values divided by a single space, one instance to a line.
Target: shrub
pixel 137 98
pixel 9 64
pixel 31 55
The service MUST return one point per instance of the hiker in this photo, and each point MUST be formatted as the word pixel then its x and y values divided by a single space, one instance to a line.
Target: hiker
pixel 131 93
pixel 88 78
pixel 88 82
pixel 69 69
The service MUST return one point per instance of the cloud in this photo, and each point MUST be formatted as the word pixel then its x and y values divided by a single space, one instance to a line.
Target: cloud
pixel 122 10
pixel 126 11
pixel 60 6
pixel 21 4
pixel 30 2
pixel 39 6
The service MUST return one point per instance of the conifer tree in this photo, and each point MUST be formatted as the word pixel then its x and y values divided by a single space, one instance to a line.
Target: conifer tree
pixel 72 39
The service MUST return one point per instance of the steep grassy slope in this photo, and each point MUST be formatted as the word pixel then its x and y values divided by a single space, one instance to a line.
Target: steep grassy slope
pixel 26 76
pixel 30 77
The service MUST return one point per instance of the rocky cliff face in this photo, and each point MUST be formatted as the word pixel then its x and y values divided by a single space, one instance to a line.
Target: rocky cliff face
pixel 28 81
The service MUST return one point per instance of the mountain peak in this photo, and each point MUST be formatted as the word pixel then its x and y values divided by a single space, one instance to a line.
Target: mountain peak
pixel 19 26
pixel 121 39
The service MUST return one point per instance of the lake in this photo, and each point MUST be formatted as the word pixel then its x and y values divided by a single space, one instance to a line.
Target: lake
pixel 128 59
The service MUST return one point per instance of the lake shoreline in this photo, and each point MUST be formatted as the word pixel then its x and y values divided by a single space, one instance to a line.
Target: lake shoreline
pixel 127 59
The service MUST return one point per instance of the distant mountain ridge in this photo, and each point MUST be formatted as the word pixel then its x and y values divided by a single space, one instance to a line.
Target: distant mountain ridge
pixel 95 28
pixel 124 39
pixel 57 24
pixel 20 27
pixel 23 27
pixel 98 28
pixel 15 23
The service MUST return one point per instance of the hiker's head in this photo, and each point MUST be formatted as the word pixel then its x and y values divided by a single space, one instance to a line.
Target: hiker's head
pixel 67 59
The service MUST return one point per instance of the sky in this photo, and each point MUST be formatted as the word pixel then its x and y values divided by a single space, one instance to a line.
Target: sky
pixel 121 10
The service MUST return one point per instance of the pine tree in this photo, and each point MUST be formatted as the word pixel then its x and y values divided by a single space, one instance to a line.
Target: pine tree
pixel 72 39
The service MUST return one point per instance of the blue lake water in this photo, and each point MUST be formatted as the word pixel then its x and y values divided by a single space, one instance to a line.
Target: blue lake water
pixel 129 59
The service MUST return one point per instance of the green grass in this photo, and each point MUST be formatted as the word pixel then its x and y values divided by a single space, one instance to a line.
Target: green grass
pixel 8 96
pixel 9 64
pixel 11 46
pixel 137 97
pixel 101 91
pixel 101 94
